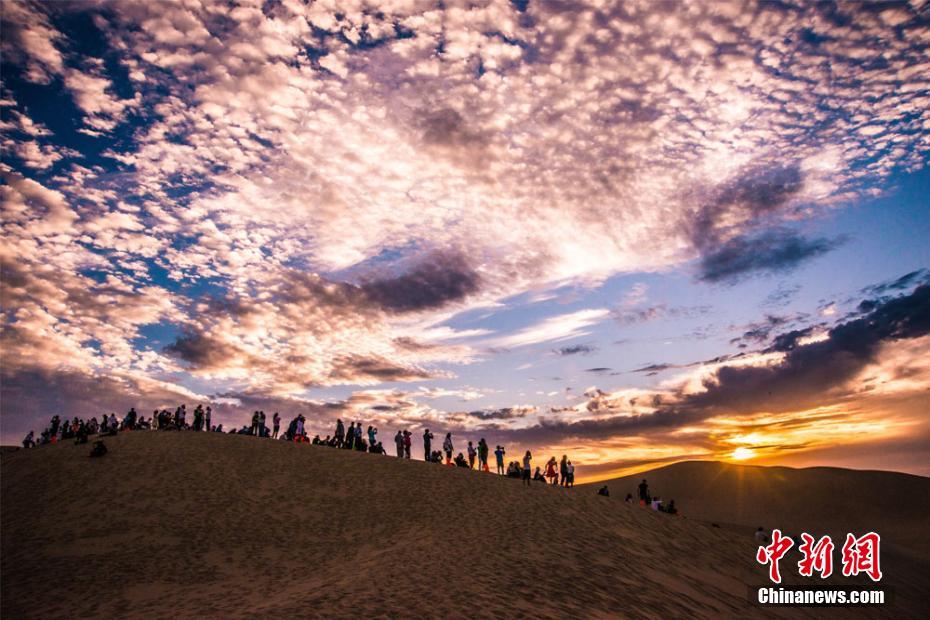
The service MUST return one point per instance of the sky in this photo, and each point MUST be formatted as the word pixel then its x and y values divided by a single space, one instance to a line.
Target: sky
pixel 633 233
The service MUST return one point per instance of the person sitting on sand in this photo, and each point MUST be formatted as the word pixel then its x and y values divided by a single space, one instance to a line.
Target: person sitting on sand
pixel 472 453
pixel 99 449
pixel 571 474
pixel 538 475
pixel 604 491
pixel 460 460
pixel 29 441
pixel 435 457
pixel 527 466
pixel 629 498
pixel 671 508
pixel 551 473
pixel 499 453
pixel 657 504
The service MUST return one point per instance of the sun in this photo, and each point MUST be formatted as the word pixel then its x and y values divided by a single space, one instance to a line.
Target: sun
pixel 741 454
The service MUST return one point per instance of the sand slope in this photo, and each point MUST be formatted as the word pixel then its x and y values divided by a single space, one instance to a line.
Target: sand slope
pixel 817 499
pixel 180 525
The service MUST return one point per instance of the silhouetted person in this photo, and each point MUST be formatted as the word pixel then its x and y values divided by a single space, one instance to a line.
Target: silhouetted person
pixel 483 455
pixel 472 453
pixel 340 433
pixel 499 454
pixel 427 444
pixel 643 491
pixel 399 442
pixel 29 440
pixel 99 449
pixel 570 469
pixel 604 491
pixel 527 466
pixel 407 443
pixel 671 508
pixel 447 448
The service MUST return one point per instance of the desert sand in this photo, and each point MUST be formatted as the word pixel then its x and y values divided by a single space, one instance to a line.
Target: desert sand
pixel 180 525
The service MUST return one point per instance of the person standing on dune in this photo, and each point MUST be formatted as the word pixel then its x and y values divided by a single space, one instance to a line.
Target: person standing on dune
pixel 447 447
pixel 399 442
pixel 483 455
pixel 276 421
pixel 340 433
pixel 472 453
pixel 527 467
pixel 350 436
pixel 551 474
pixel 427 445
pixel 407 443
pixel 643 492
pixel 563 470
pixel 208 415
pixel 372 431
pixel 499 453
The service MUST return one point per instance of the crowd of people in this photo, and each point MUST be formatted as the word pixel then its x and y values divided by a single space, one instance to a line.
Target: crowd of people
pixel 554 473
pixel 475 456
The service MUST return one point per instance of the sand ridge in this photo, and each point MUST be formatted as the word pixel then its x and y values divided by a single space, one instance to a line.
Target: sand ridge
pixel 177 525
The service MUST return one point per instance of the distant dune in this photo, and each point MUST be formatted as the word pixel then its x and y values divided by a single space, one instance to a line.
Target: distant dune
pixel 172 525
pixel 817 499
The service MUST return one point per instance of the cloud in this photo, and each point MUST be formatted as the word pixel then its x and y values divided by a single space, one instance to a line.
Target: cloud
pixel 314 200
pixel 576 349
pixel 774 251
pixel 803 377
pixel 438 280
pixel 504 413
pixel 631 316
pixel 561 327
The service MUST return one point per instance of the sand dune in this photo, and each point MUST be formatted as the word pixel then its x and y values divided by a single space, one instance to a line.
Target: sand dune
pixel 174 525
pixel 817 499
